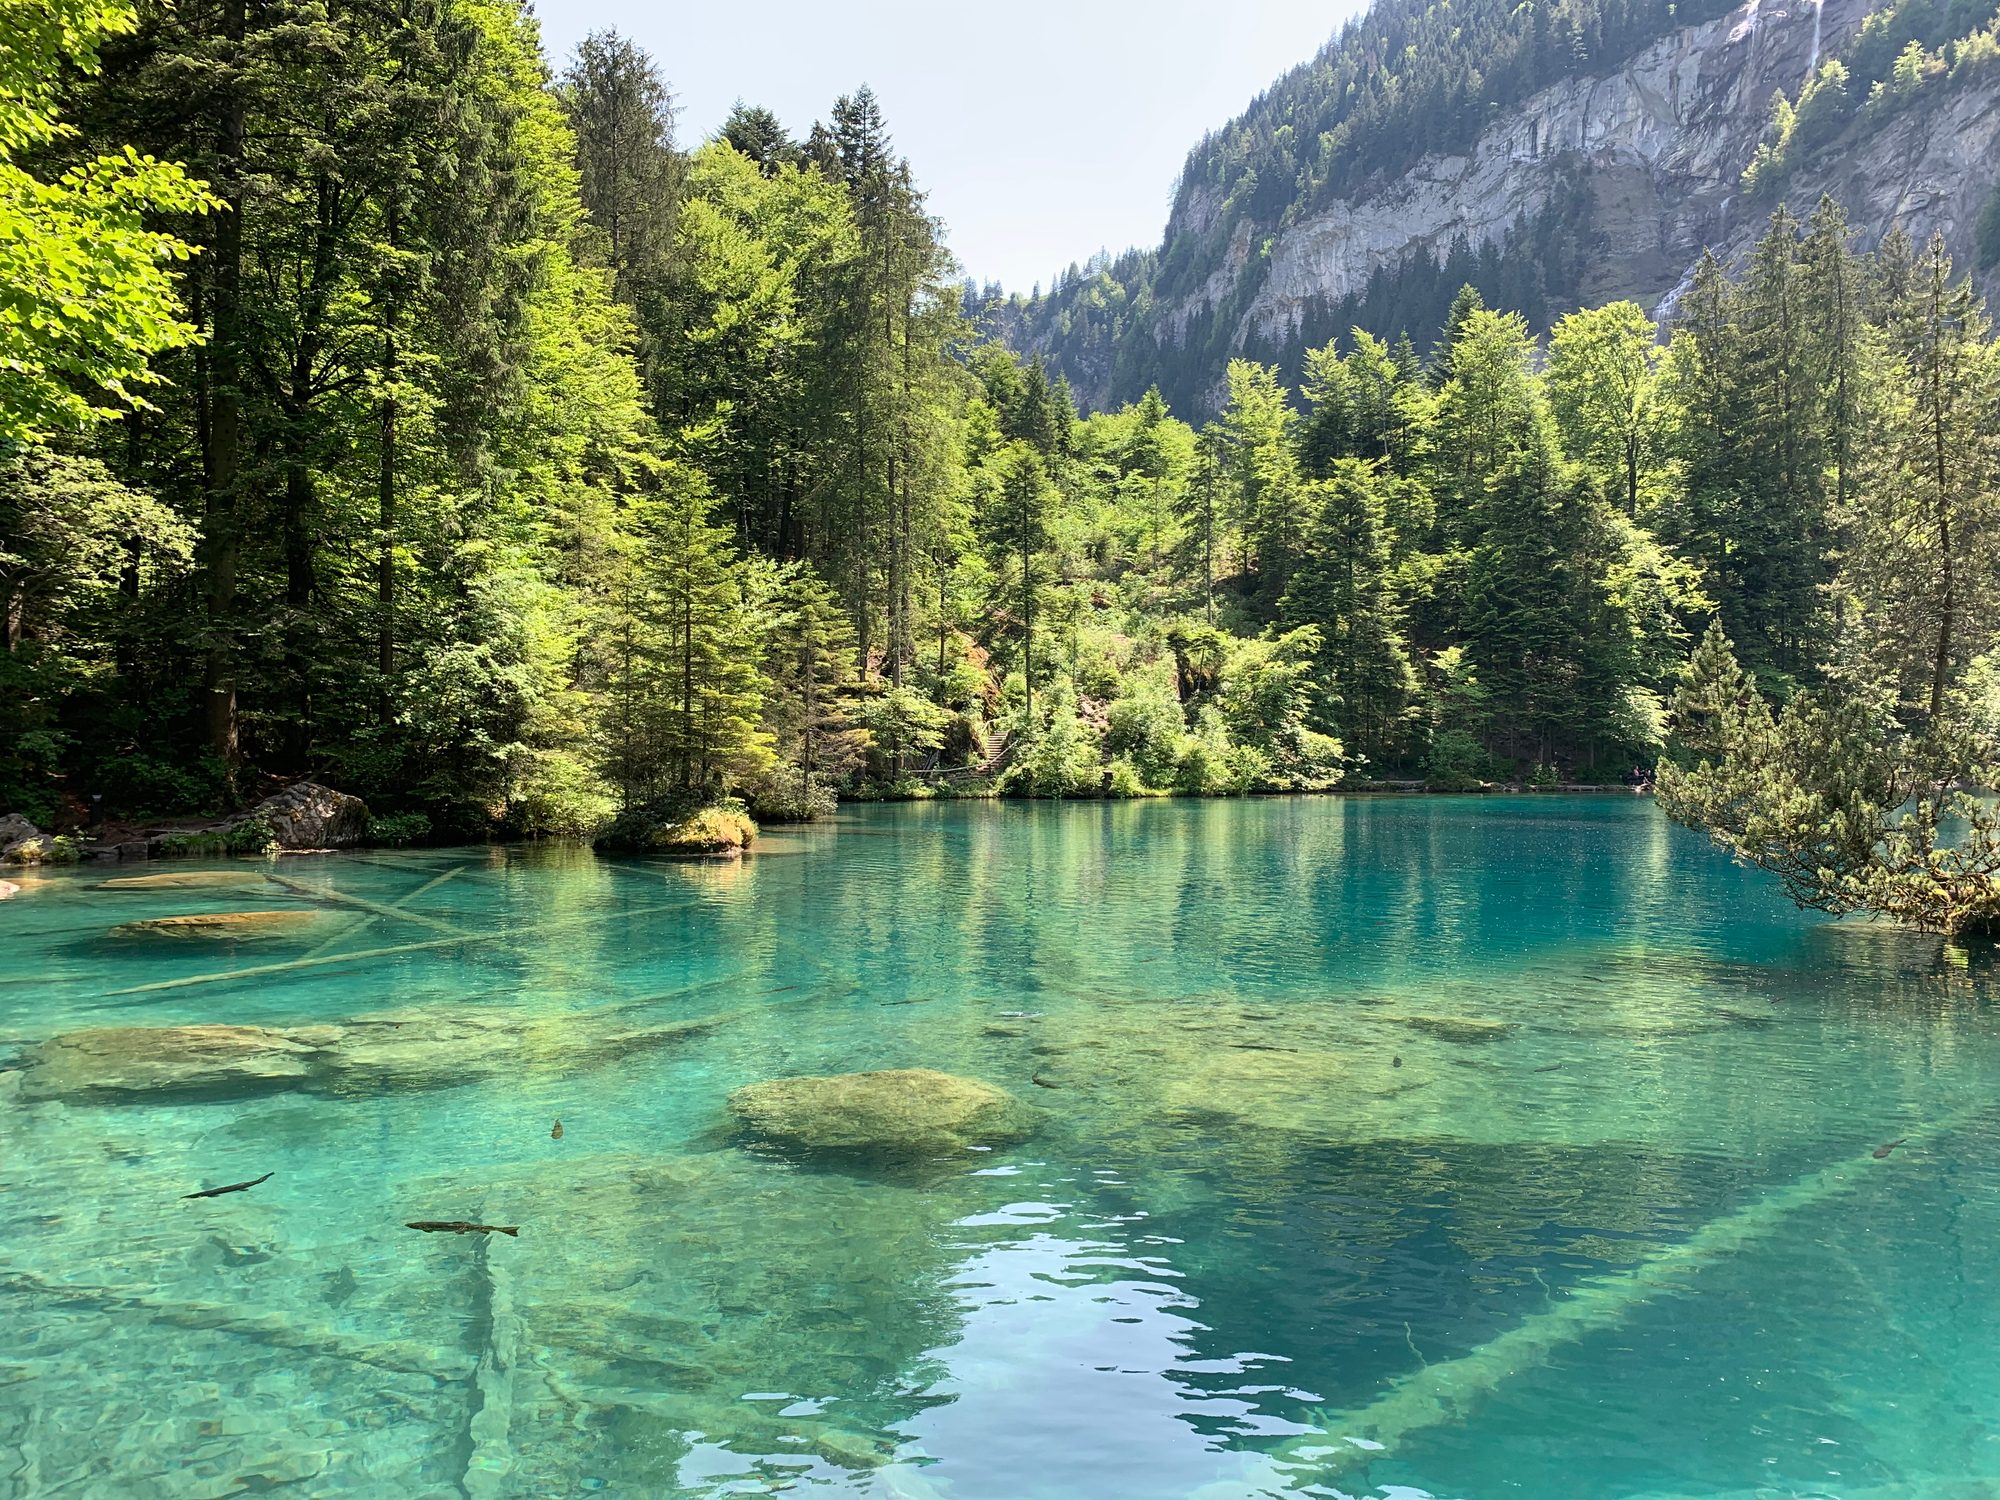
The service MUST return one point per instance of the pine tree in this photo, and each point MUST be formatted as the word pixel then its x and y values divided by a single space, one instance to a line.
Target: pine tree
pixel 812 680
pixel 1342 587
pixel 756 133
pixel 622 115
pixel 1018 525
pixel 1924 563
pixel 1256 428
pixel 687 694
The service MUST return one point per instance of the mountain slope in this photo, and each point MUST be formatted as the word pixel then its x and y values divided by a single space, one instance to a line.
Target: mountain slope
pixel 1553 156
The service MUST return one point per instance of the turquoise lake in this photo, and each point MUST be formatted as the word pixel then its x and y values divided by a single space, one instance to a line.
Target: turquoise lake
pixel 1395 1147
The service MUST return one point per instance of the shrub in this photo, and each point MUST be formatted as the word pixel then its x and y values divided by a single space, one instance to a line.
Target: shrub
pixel 1059 759
pixel 138 784
pixel 1457 762
pixel 251 836
pixel 557 794
pixel 399 829
pixel 786 794
pixel 717 828
pixel 1145 728
pixel 1126 781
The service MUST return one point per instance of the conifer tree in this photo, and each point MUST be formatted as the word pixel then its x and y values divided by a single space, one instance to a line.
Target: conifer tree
pixel 1343 588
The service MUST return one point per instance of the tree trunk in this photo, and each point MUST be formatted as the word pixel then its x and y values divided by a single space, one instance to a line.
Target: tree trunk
pixel 299 587
pixel 222 453
pixel 385 560
pixel 1941 479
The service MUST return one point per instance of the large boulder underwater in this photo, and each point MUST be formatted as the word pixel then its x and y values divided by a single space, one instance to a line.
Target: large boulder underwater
pixel 895 1112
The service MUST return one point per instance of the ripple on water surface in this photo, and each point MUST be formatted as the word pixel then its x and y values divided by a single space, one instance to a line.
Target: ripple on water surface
pixel 1451 1147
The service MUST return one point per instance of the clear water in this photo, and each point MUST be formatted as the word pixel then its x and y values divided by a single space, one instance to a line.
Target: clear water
pixel 1277 1233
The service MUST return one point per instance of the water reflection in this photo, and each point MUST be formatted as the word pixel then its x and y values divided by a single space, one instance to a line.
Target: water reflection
pixel 1329 1093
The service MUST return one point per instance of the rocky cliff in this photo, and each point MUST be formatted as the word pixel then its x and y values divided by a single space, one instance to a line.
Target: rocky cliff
pixel 1657 146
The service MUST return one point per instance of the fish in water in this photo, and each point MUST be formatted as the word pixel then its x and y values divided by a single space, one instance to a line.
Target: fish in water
pixel 1886 1147
pixel 1395 1062
pixel 1548 1067
pixel 340 1285
pixel 459 1226
pixel 556 1134
pixel 1041 1082
pixel 234 1187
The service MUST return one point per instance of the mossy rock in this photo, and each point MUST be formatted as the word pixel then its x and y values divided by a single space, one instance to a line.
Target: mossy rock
pixel 430 1049
pixel 44 849
pixel 164 1062
pixel 718 831
pixel 896 1112
pixel 714 832
pixel 220 924
pixel 386 1052
pixel 1464 1029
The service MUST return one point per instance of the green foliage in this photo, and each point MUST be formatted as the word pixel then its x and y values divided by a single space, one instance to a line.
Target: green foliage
pixel 1144 729
pixel 538 478
pixel 789 794
pixel 45 849
pixel 1125 781
pixel 1058 756
pixel 902 722
pixel 86 296
pixel 251 836
pixel 399 830
pixel 1456 762
pixel 1848 809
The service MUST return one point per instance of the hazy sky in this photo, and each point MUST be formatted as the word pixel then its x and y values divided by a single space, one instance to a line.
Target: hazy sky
pixel 1043 130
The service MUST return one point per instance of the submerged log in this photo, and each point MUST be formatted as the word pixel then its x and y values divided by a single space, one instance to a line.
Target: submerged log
pixel 1448 1392
pixel 403 1356
pixel 492 1456
pixel 182 880
pixel 219 924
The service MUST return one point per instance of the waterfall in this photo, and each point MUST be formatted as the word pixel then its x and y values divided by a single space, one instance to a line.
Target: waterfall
pixel 1819 16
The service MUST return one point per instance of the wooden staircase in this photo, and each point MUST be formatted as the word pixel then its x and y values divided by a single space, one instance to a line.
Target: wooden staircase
pixel 994 753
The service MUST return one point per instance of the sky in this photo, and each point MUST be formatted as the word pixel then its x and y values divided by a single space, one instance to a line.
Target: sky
pixel 1042 130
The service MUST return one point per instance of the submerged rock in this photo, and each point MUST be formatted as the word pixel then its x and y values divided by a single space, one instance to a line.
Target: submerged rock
pixel 391 1051
pixel 898 1111
pixel 123 1062
pixel 221 924
pixel 1458 1028
pixel 440 1049
pixel 8 888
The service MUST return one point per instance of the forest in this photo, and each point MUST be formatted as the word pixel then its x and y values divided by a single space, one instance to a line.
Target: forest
pixel 384 406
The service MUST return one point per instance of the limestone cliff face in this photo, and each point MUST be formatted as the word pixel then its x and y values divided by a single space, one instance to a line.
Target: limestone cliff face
pixel 1662 144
